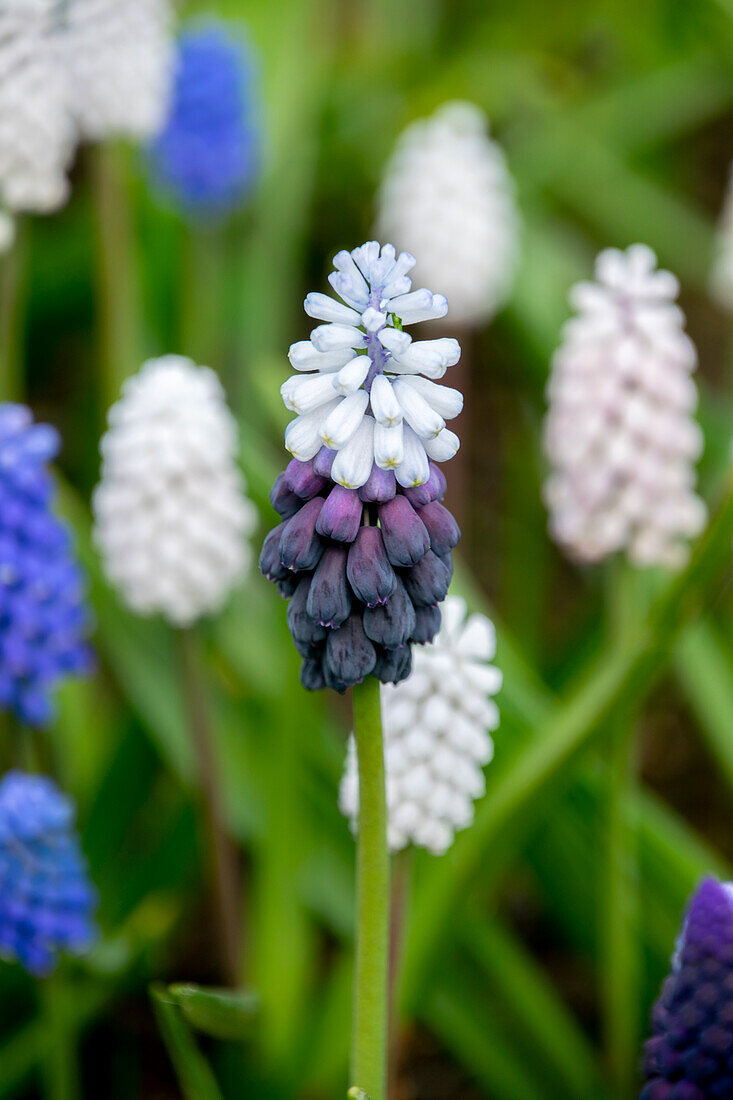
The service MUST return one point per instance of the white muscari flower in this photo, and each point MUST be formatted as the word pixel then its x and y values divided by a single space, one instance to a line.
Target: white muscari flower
pixel 120 58
pixel 367 390
pixel 447 195
pixel 37 133
pixel 620 433
pixel 171 515
pixel 721 279
pixel 437 726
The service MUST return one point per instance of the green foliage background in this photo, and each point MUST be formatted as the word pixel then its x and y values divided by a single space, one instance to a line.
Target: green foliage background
pixel 534 949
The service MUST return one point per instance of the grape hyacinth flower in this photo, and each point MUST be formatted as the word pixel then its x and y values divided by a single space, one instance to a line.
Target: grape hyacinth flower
pixel 37 133
pixel 448 197
pixel 721 280
pixel 43 615
pixel 435 735
pixel 363 551
pixel 206 154
pixel 119 57
pixel 620 433
pixel 690 1054
pixel 171 515
pixel 46 901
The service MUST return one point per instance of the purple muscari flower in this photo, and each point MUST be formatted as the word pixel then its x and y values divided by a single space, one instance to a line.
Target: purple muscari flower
pixel 46 900
pixel 43 615
pixel 690 1054
pixel 364 552
pixel 207 153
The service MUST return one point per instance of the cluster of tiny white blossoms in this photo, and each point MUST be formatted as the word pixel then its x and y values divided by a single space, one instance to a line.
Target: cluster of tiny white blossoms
pixel 171 517
pixel 365 390
pixel 437 727
pixel 721 280
pixel 447 195
pixel 120 59
pixel 37 134
pixel 620 433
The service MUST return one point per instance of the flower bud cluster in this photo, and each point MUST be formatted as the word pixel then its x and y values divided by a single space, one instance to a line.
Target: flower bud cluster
pixel 690 1054
pixel 171 515
pixel 620 434
pixel 364 569
pixel 436 735
pixel 46 900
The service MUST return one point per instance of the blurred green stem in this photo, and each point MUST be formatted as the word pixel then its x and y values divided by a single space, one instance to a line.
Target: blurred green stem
pixel 60 1069
pixel 620 982
pixel 202 318
pixel 369 1047
pixel 13 288
pixel 118 307
pixel 223 866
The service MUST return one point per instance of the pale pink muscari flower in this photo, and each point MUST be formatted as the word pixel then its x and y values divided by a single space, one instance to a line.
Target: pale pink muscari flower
pixel 620 433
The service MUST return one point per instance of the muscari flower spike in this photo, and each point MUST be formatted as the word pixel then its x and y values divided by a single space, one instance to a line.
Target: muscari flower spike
pixel 435 735
pixel 171 516
pixel 46 901
pixel 447 195
pixel 43 614
pixel 363 551
pixel 206 155
pixel 620 433
pixel 37 132
pixel 119 60
pixel 690 1054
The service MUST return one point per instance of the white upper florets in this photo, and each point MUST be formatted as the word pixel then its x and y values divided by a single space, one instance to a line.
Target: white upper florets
pixel 447 195
pixel 367 391
pixel 436 735
pixel 171 517
pixel 620 434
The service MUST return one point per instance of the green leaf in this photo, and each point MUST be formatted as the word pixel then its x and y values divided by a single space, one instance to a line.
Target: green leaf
pixel 221 1013
pixel 194 1074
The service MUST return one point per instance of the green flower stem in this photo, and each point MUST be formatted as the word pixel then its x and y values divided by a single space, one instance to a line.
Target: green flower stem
pixel 222 856
pixel 619 925
pixel 118 303
pixel 13 298
pixel 369 1047
pixel 517 785
pixel 60 1066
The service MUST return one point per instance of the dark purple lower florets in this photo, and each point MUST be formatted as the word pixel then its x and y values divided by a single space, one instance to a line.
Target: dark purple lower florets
pixel 364 570
pixel 690 1054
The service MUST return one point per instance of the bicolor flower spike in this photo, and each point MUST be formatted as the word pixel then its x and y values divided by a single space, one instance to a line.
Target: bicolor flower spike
pixel 365 390
pixel 37 132
pixel 690 1054
pixel 447 195
pixel 437 726
pixel 207 152
pixel 171 516
pixel 364 547
pixel 620 433
pixel 46 901
pixel 119 57
pixel 44 619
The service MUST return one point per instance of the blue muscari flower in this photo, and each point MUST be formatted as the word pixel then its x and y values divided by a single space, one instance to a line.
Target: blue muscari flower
pixel 43 614
pixel 690 1054
pixel 207 153
pixel 46 900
